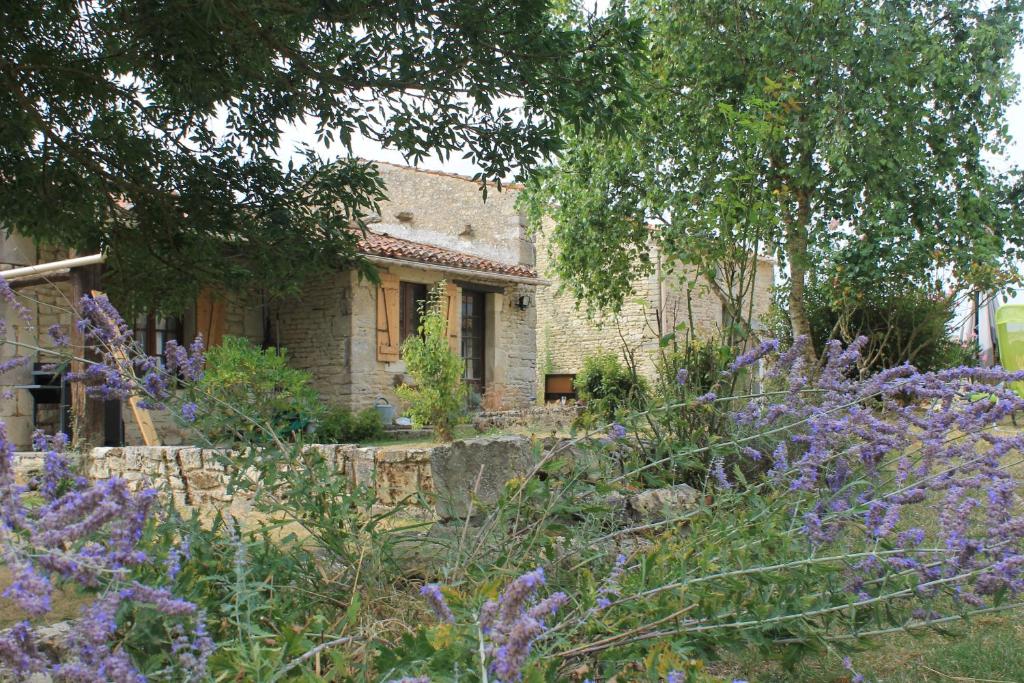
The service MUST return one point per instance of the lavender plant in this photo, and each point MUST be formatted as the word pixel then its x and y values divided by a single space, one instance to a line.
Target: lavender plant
pixel 505 629
pixel 86 535
pixel 89 535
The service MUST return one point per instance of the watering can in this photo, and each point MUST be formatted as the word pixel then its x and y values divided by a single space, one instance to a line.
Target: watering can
pixel 385 410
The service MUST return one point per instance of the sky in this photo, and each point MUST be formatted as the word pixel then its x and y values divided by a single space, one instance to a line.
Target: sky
pixel 370 150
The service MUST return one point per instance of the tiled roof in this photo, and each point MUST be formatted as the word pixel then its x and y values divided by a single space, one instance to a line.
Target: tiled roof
pixel 382 244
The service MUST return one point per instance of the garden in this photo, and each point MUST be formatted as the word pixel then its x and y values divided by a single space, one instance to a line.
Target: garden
pixel 760 515
pixel 825 491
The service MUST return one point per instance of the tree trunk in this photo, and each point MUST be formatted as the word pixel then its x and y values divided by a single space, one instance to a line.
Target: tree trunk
pixel 796 255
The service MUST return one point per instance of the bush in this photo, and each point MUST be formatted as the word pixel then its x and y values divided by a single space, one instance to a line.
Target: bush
pixel 340 425
pixel 608 387
pixel 243 380
pixel 439 395
pixel 904 322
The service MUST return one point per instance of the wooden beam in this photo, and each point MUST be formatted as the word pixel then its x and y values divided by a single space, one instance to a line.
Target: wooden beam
pixel 35 280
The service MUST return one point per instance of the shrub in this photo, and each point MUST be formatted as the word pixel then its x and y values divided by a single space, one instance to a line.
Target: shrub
pixel 608 387
pixel 904 322
pixel 439 396
pixel 242 380
pixel 340 425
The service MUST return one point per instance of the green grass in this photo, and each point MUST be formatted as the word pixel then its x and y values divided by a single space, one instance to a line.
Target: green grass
pixel 987 649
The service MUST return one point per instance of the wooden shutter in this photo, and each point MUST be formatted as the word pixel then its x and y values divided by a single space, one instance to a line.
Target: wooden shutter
pixel 388 330
pixel 453 303
pixel 210 317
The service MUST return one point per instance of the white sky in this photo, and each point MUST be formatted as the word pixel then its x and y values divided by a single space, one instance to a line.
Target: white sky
pixel 456 164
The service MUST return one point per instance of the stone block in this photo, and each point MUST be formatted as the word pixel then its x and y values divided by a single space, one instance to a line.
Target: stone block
pixel 19 431
pixel 396 481
pixel 477 468
pixel 190 458
pixel 362 466
pixel 204 480
pixel 133 457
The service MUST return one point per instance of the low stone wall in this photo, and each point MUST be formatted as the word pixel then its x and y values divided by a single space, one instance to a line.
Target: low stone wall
pixel 197 476
pixel 450 473
pixel 543 418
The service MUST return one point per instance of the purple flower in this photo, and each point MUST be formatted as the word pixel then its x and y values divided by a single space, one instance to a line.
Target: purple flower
pixel 718 471
pixel 753 355
pixel 617 432
pixel 189 364
pixel 682 376
pixel 514 621
pixel 436 600
pixel 57 336
pixel 182 551
pixel 188 412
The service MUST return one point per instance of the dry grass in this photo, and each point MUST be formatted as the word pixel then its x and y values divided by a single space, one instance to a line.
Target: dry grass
pixel 66 604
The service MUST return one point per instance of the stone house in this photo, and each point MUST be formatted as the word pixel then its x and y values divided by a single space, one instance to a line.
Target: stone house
pixel 512 329
pixel 566 335
pixel 344 330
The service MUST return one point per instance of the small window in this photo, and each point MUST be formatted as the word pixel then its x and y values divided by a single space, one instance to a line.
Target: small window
pixel 412 297
pixel 153 331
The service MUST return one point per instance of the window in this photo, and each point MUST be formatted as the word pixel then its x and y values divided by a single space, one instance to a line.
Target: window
pixel 411 300
pixel 153 331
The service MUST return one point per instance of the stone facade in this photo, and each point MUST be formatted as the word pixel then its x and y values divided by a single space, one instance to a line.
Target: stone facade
pixel 330 327
pixel 566 334
pixel 47 305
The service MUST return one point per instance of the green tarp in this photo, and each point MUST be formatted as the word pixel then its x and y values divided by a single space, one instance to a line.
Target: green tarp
pixel 1010 335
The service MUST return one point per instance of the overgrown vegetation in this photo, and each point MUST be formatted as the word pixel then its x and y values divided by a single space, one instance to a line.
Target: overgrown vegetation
pixel 904 322
pixel 438 397
pixel 825 509
pixel 609 388
pixel 340 425
pixel 241 379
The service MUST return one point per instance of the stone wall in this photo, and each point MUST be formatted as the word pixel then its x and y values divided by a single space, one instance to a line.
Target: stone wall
pixel 510 360
pixel 48 304
pixel 197 476
pixel 316 329
pixel 450 474
pixel 566 334
pixel 449 211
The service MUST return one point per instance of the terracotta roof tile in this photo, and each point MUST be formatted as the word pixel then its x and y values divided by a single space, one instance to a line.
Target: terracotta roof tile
pixel 382 244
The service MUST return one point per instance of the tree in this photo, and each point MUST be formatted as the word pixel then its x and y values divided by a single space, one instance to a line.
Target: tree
pixel 853 127
pixel 149 129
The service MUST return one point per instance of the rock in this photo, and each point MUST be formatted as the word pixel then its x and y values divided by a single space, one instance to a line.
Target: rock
pixel 455 471
pixel 655 505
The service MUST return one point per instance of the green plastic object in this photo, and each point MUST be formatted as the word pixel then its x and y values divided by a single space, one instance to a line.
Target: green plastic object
pixel 1010 335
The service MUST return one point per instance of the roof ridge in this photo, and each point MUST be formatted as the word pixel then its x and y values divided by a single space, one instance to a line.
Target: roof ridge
pixel 385 245
pixel 444 174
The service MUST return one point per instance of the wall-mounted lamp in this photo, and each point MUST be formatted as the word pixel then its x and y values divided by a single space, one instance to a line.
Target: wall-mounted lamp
pixel 523 302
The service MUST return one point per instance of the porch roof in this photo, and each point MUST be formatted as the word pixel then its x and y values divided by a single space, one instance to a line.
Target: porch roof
pixel 385 246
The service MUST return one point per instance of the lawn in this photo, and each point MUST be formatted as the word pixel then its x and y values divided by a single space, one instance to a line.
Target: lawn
pixel 986 649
